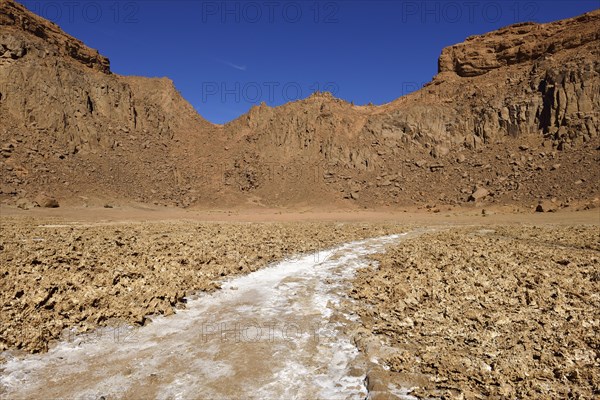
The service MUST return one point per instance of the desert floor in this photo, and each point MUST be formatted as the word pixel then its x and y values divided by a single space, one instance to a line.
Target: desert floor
pixel 415 303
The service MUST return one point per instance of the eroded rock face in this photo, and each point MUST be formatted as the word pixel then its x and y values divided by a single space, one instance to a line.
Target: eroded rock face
pixel 53 85
pixel 53 96
pixel 14 17
pixel 520 43
pixel 570 102
pixel 72 126
pixel 321 128
pixel 76 128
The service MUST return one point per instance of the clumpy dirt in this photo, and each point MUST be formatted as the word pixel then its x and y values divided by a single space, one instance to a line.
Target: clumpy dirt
pixel 56 275
pixel 282 332
pixel 502 312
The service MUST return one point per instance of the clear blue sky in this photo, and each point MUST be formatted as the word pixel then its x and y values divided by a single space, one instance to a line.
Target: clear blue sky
pixel 225 56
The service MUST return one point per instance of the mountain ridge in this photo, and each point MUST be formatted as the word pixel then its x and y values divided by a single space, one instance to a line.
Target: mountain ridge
pixel 88 136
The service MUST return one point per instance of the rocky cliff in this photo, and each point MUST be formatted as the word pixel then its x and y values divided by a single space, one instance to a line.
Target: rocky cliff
pixel 512 117
pixel 518 44
pixel 545 79
pixel 71 127
pixel 54 84
pixel 14 18
pixel 505 109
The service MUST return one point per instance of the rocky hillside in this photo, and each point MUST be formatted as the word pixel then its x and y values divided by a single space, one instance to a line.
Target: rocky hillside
pixel 512 117
pixel 539 79
pixel 72 128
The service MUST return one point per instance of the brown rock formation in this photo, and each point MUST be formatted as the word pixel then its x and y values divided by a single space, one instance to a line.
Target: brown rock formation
pixel 504 109
pixel 517 44
pixel 15 18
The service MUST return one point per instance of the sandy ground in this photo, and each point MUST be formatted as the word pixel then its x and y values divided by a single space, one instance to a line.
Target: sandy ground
pixel 448 215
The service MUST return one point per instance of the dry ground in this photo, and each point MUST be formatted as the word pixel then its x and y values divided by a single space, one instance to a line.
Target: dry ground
pixel 501 312
pixel 498 305
pixel 57 275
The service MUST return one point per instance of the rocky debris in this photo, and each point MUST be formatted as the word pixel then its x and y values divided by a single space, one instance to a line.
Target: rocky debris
pixel 589 205
pixel 439 151
pixel 484 313
pixel 8 190
pixel 7 149
pixel 479 194
pixel 377 382
pixel 56 277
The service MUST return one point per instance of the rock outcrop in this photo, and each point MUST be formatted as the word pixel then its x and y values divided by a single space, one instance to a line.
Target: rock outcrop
pixel 73 128
pixel 49 85
pixel 516 44
pixel 15 18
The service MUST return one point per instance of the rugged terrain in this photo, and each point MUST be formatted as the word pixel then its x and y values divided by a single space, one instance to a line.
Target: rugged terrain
pixel 467 307
pixel 500 312
pixel 511 118
pixel 483 306
pixel 58 275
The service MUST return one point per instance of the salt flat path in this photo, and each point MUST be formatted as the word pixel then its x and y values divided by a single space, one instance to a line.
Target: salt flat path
pixel 280 332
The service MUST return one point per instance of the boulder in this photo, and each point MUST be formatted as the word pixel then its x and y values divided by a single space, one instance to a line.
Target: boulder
pixel 439 151
pixel 46 201
pixel 479 194
pixel 546 206
pixel 24 204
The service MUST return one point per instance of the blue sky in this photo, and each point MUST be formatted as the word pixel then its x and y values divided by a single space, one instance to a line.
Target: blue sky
pixel 225 56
